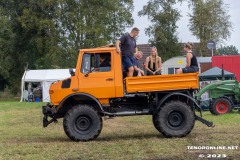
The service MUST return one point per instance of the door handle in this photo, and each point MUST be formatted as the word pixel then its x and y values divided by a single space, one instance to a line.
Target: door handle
pixel 75 89
pixel 109 79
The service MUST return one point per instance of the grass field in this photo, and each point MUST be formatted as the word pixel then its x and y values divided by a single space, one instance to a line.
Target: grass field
pixel 23 137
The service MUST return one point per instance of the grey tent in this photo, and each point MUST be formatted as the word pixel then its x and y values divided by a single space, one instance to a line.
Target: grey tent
pixel 215 73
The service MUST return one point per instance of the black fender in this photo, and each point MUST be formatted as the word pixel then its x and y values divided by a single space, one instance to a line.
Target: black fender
pixel 178 94
pixel 226 97
pixel 230 100
pixel 81 94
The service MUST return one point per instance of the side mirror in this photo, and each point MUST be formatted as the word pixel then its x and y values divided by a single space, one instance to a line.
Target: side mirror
pixel 72 73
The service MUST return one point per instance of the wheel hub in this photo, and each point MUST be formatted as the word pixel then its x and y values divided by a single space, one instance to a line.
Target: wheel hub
pixel 222 107
pixel 175 119
pixel 83 123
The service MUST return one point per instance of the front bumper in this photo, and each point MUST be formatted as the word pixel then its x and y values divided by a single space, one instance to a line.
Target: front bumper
pixel 49 111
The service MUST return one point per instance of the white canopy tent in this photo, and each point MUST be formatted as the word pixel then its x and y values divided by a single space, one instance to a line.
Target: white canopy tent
pixel 46 77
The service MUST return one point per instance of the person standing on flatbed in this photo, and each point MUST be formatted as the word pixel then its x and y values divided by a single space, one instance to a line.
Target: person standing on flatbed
pixel 126 45
pixel 191 59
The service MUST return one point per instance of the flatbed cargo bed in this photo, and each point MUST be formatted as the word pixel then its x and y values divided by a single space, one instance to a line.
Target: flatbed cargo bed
pixel 162 83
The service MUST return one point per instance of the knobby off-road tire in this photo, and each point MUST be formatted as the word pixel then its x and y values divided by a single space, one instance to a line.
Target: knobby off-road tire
pixel 154 121
pixel 82 123
pixel 220 106
pixel 174 119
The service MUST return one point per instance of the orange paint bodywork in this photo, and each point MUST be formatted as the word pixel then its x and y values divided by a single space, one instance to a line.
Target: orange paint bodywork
pixel 98 85
pixel 162 83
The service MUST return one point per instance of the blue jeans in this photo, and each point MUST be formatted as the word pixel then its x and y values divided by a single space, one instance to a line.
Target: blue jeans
pixel 190 69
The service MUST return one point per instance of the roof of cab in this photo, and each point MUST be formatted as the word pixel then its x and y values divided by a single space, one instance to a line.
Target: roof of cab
pixel 98 49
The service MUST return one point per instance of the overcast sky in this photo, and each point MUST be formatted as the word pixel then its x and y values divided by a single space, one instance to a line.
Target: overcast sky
pixel 184 33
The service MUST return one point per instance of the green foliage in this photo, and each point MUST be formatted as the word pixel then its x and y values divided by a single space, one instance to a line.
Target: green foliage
pixel 209 21
pixel 49 33
pixel 228 50
pixel 163 29
pixel 6 95
pixel 88 24
pixel 6 40
pixel 33 37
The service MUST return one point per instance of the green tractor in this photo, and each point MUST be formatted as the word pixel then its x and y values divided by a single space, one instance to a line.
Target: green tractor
pixel 224 96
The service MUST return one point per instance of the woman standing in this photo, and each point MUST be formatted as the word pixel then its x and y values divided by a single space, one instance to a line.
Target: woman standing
pixel 153 63
pixel 191 59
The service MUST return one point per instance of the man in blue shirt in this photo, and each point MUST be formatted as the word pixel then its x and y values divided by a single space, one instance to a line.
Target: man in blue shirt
pixel 126 45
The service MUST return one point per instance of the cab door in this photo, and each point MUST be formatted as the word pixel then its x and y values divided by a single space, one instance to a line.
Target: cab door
pixel 97 75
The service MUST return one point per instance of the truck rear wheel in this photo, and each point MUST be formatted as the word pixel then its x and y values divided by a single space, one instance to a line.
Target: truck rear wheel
pixel 82 123
pixel 220 106
pixel 154 121
pixel 175 119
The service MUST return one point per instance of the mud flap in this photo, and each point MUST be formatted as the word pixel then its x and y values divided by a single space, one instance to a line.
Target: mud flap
pixel 46 122
pixel 48 111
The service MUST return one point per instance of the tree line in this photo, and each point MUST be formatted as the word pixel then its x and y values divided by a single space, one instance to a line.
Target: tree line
pixel 48 33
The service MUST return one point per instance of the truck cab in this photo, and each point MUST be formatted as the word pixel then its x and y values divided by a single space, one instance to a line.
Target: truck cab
pixel 91 78
pixel 97 89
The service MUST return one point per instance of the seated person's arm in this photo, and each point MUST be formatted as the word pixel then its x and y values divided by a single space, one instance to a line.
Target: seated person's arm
pixel 146 65
pixel 139 70
pixel 159 65
pixel 105 63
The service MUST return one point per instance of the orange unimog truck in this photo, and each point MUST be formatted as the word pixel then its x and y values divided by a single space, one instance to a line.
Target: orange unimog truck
pixel 95 91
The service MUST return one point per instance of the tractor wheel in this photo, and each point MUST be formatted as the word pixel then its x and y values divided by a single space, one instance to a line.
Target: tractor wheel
pixel 220 106
pixel 82 123
pixel 175 119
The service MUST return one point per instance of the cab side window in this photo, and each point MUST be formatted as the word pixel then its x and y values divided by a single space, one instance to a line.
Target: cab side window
pixel 104 62
pixel 96 62
pixel 86 63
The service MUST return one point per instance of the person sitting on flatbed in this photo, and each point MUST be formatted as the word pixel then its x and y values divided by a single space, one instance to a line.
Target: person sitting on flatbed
pixel 137 70
pixel 153 63
pixel 191 59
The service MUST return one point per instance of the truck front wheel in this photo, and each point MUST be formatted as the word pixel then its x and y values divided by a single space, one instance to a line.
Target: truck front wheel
pixel 82 123
pixel 175 119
